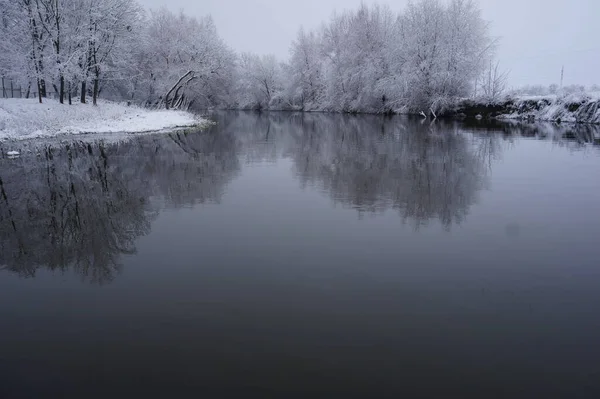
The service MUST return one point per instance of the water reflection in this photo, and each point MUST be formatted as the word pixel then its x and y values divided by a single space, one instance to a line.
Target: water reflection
pixel 82 205
pixel 573 136
pixel 424 171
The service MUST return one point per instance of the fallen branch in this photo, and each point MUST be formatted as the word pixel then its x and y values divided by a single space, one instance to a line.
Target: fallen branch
pixel 175 87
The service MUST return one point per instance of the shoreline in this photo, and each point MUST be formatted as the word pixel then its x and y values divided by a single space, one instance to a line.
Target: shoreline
pixel 24 119
pixel 574 109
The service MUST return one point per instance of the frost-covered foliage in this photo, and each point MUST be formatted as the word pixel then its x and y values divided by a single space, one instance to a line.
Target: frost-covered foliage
pixel 259 81
pixel 181 61
pixel 63 45
pixel 374 60
pixel 305 88
pixel 492 84
pixel 367 60
pixel 88 47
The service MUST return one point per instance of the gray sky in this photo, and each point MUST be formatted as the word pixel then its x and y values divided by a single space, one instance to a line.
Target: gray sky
pixel 537 36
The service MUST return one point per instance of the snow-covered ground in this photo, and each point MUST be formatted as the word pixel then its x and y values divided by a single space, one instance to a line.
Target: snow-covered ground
pixel 574 108
pixel 26 118
pixel 569 108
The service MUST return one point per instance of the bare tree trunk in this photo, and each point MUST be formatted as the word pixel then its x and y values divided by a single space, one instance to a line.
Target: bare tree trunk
pixel 37 61
pixel 96 87
pixel 176 97
pixel 43 91
pixel 39 86
pixel 62 89
pixel 175 87
pixel 70 101
pixel 83 91
pixel 180 101
pixel 96 77
pixel 87 69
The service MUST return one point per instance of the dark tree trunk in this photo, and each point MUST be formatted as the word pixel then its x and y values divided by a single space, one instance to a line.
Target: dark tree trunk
pixel 96 87
pixel 37 61
pixel 69 91
pixel 39 85
pixel 167 99
pixel 62 89
pixel 96 78
pixel 42 90
pixel 176 97
pixel 83 91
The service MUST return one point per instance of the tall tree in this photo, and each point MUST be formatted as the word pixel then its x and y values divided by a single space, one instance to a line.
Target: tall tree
pixel 109 24
pixel 305 66
pixel 182 61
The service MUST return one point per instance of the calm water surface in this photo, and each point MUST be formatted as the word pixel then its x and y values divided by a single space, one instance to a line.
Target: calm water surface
pixel 303 256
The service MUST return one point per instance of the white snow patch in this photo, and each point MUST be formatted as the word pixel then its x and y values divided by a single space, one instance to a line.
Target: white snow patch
pixel 570 108
pixel 26 118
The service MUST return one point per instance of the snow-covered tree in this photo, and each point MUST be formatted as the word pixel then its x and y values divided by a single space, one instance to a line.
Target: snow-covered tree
pixel 24 44
pixel 182 60
pixel 365 60
pixel 372 60
pixel 259 80
pixel 108 26
pixel 442 51
pixel 355 62
pixel 493 82
pixel 86 46
pixel 305 86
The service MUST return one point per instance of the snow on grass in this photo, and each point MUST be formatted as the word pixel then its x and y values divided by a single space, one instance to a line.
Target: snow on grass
pixel 25 119
pixel 581 107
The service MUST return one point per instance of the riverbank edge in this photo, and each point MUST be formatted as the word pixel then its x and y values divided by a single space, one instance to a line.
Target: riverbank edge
pixel 544 109
pixel 22 119
pixel 573 109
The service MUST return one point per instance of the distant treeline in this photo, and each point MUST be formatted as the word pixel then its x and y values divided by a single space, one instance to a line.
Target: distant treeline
pixel 367 60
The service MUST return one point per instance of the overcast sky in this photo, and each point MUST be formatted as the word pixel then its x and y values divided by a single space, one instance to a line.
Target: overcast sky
pixel 537 36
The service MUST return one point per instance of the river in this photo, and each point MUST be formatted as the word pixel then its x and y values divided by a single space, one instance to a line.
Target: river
pixel 289 255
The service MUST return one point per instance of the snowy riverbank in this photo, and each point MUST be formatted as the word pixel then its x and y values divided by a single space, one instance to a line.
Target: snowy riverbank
pixel 25 119
pixel 574 108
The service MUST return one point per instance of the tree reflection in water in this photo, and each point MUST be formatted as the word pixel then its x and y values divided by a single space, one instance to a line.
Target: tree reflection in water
pixel 82 205
pixel 426 171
